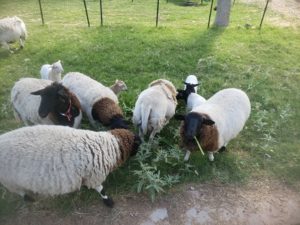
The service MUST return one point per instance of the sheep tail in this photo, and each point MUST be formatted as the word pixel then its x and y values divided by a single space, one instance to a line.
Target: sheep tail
pixel 145 109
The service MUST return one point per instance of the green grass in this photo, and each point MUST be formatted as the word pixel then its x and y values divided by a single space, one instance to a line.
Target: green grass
pixel 263 63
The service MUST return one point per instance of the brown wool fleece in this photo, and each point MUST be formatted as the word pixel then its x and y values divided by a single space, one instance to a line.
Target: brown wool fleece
pixel 106 109
pixel 207 137
pixel 126 142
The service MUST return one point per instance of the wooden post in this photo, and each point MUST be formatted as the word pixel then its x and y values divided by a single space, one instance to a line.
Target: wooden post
pixel 211 6
pixel 233 3
pixel 157 12
pixel 86 13
pixel 263 16
pixel 41 10
pixel 101 15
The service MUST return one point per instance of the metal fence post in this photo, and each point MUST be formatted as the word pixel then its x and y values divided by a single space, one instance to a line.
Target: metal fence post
pixel 86 13
pixel 41 11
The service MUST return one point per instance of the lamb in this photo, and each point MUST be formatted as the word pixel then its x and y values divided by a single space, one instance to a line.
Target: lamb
pixel 52 72
pixel 215 122
pixel 37 101
pixel 191 98
pixel 48 160
pixel 12 29
pixel 154 107
pixel 118 86
pixel 191 80
pixel 99 102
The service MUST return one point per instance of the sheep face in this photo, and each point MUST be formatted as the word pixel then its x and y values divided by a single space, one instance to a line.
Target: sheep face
pixel 56 102
pixel 184 94
pixel 121 85
pixel 57 67
pixel 192 125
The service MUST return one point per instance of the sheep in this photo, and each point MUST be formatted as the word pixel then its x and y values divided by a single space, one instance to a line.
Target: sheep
pixel 191 98
pixel 99 102
pixel 118 86
pixel 154 107
pixel 52 72
pixel 191 80
pixel 12 29
pixel 48 160
pixel 37 101
pixel 215 122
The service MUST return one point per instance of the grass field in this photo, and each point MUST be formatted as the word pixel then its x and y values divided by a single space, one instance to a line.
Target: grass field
pixel 263 63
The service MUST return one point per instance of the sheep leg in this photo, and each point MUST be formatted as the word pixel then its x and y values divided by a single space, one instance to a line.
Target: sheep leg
pixel 211 156
pixel 106 199
pixel 21 43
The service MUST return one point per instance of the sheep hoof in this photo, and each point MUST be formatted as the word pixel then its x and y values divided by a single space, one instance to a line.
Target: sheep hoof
pixel 108 202
pixel 28 198
pixel 211 156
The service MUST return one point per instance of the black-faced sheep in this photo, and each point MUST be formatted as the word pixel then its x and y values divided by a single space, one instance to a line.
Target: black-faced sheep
pixel 38 101
pixel 12 29
pixel 99 102
pixel 50 160
pixel 215 122
pixel 154 107
pixel 52 72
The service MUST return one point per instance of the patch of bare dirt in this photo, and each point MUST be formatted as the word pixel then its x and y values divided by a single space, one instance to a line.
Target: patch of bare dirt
pixel 210 204
pixel 288 11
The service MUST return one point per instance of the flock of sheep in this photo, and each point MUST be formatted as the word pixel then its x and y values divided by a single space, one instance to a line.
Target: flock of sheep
pixel 54 157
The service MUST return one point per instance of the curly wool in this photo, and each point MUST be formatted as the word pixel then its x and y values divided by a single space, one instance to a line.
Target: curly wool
pixel 106 109
pixel 53 160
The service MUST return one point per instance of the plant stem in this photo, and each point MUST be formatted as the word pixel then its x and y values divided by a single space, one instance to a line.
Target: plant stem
pixel 199 146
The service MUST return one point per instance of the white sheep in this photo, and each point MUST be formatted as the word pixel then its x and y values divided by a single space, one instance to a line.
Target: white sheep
pixel 154 107
pixel 215 122
pixel 12 29
pixel 99 102
pixel 52 72
pixel 118 86
pixel 52 160
pixel 191 80
pixel 194 100
pixel 37 101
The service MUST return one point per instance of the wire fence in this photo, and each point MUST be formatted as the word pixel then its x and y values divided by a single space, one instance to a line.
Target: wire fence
pixel 130 12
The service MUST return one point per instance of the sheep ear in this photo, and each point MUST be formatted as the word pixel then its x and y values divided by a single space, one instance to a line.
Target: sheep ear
pixel 208 122
pixel 195 85
pixel 39 92
pixel 179 117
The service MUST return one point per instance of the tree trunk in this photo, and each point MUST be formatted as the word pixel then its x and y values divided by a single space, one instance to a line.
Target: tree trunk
pixel 223 13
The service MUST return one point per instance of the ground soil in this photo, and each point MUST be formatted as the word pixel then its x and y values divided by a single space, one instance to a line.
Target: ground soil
pixel 257 203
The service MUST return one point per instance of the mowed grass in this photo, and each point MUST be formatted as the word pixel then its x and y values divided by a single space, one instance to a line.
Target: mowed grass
pixel 263 63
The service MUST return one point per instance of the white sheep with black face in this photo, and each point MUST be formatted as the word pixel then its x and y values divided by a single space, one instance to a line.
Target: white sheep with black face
pixel 52 72
pixel 99 102
pixel 154 107
pixel 50 160
pixel 12 29
pixel 215 122
pixel 37 101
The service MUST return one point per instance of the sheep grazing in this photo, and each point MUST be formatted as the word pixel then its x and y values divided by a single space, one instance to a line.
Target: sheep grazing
pixel 49 160
pixel 38 101
pixel 52 72
pixel 99 102
pixel 118 86
pixel 154 107
pixel 215 122
pixel 191 98
pixel 12 29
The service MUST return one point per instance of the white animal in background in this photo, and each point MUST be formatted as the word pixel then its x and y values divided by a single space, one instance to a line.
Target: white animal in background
pixel 12 29
pixel 154 107
pixel 52 160
pixel 215 122
pixel 52 72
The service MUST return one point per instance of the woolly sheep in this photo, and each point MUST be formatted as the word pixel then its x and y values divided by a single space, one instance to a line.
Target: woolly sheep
pixel 99 102
pixel 191 98
pixel 50 160
pixel 37 101
pixel 215 122
pixel 118 86
pixel 191 80
pixel 52 72
pixel 154 107
pixel 12 29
